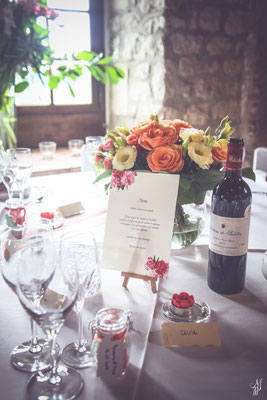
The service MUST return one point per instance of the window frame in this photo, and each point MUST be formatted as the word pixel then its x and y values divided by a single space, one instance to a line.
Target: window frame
pixel 94 111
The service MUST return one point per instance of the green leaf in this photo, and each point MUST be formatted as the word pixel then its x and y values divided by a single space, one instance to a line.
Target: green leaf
pixel 62 68
pixel 248 173
pixel 193 187
pixel 107 188
pixel 20 87
pixel 120 72
pixel 105 60
pixel 54 81
pixel 71 90
pixel 86 55
pixel 104 174
pixel 112 74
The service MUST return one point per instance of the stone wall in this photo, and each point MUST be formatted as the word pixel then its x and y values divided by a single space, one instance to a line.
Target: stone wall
pixel 197 60
pixel 136 32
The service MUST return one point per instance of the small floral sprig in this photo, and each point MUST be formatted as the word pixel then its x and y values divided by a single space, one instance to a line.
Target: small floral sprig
pixel 15 218
pixel 183 300
pixel 157 268
pixel 122 179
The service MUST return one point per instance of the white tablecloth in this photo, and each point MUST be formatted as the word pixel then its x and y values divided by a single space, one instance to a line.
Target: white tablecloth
pixel 224 373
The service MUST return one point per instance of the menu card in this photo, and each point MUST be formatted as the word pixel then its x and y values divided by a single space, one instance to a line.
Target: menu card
pixel 139 224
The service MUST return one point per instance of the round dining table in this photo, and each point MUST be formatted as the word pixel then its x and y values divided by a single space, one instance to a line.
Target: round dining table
pixel 234 370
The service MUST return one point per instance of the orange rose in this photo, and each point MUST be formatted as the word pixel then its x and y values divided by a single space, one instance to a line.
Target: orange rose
pixel 145 126
pixel 218 154
pixel 158 136
pixel 133 139
pixel 177 124
pixel 136 132
pixel 166 158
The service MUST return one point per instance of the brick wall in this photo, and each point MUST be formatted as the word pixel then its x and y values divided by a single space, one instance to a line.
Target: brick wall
pixel 197 60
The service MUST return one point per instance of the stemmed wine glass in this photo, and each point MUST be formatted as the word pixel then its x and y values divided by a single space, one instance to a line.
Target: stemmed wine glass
pixel 33 354
pixel 19 162
pixel 79 252
pixel 48 295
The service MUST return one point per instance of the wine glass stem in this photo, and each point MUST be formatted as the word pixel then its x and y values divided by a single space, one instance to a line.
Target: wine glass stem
pixel 55 378
pixel 81 346
pixel 35 347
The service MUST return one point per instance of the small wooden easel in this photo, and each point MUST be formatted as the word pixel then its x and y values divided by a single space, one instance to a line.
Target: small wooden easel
pixel 128 275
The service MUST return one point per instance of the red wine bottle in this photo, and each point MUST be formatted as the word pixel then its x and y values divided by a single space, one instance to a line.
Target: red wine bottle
pixel 229 226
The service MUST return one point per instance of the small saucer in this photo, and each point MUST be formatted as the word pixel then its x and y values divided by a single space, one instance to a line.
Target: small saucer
pixel 58 221
pixel 200 312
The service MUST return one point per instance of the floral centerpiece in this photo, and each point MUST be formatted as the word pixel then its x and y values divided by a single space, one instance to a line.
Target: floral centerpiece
pixel 168 146
pixel 25 49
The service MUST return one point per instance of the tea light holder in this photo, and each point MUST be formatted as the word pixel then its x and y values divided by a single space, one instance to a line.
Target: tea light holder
pixel 184 308
pixel 47 150
pixel 75 147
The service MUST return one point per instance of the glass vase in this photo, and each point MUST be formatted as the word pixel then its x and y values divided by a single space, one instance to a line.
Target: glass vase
pixel 189 222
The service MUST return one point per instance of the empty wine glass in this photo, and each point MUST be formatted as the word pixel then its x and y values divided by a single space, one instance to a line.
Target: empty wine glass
pixel 48 296
pixel 20 163
pixel 33 354
pixel 78 251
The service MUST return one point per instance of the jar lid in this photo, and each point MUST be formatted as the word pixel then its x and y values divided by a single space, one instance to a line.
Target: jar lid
pixel 111 319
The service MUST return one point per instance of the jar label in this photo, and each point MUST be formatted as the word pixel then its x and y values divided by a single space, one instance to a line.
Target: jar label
pixel 110 356
pixel 229 236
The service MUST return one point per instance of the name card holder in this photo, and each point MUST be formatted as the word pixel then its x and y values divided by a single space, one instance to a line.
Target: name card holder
pixel 128 275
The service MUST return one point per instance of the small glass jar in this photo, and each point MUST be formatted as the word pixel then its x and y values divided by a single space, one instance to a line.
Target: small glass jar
pixel 111 342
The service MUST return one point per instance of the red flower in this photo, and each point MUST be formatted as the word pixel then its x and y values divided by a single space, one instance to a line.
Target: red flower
pixel 47 215
pixel 183 300
pixel 157 268
pixel 18 215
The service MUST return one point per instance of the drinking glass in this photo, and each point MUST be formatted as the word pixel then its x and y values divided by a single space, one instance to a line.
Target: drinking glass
pixel 33 354
pixel 48 292
pixel 78 251
pixel 20 163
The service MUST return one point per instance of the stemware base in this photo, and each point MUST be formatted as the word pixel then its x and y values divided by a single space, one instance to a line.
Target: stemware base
pixel 69 386
pixel 25 360
pixel 76 358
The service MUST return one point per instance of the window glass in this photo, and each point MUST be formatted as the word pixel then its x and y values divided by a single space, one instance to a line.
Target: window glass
pixel 69 33
pixel 82 88
pixel 82 5
pixel 37 93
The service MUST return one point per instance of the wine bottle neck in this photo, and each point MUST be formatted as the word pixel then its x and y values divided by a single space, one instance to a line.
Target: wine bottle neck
pixel 233 174
pixel 234 157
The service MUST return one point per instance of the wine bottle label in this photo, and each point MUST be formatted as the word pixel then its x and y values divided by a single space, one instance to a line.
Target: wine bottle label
pixel 229 236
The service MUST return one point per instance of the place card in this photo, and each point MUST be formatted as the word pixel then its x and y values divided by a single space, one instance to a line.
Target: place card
pixel 190 334
pixel 69 210
pixel 139 224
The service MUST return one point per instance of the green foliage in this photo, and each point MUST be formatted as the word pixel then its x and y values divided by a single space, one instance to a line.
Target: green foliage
pixel 25 49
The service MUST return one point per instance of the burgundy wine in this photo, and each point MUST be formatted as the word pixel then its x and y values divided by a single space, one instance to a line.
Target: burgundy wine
pixel 229 226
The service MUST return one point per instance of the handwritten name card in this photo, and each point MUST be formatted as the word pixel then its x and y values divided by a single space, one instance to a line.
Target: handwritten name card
pixel 139 225
pixel 190 334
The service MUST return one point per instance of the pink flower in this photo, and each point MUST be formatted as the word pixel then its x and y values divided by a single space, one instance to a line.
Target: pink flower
pixel 108 146
pixel 122 179
pixel 157 269
pixel 128 178
pixel 98 159
pixel 107 163
pixel 100 147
